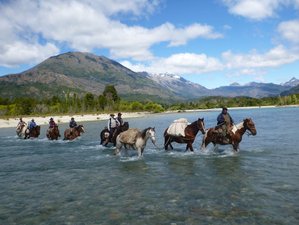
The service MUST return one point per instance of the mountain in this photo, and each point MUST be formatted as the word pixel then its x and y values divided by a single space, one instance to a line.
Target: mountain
pixel 180 86
pixel 293 90
pixel 253 89
pixel 80 73
pixel 291 83
pixel 76 72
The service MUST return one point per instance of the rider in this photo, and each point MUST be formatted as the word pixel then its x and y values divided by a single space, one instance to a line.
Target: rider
pixel 72 123
pixel 224 123
pixel 52 123
pixel 113 123
pixel 21 124
pixel 120 120
pixel 32 125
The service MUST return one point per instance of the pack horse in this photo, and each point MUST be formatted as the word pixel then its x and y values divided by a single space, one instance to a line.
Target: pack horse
pixel 185 134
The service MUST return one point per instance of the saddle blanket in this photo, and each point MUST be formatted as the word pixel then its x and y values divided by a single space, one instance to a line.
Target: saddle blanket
pixel 177 128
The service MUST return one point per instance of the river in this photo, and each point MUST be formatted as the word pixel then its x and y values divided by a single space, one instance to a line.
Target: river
pixel 81 182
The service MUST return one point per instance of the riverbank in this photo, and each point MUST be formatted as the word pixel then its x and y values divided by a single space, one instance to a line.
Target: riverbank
pixel 43 120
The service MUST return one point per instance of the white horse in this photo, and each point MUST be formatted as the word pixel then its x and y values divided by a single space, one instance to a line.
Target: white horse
pixel 21 130
pixel 135 138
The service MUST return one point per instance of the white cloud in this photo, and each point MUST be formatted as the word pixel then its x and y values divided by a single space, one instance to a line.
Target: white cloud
pixel 290 30
pixel 252 63
pixel 273 58
pixel 184 63
pixel 257 9
pixel 87 25
pixel 21 53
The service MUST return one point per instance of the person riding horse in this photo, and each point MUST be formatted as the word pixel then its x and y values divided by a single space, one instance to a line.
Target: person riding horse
pixel 72 124
pixel 113 123
pixel 224 125
pixel 20 125
pixel 32 125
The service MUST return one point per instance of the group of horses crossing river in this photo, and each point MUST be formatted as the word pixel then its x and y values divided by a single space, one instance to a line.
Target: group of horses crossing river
pixel 180 131
pixel 52 133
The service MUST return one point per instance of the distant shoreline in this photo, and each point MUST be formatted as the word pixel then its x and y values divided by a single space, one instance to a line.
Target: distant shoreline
pixel 61 119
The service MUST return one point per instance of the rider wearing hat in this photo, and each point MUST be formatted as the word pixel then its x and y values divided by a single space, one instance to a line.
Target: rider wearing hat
pixel 224 124
pixel 120 120
pixel 52 123
pixel 113 123
pixel 32 124
pixel 72 123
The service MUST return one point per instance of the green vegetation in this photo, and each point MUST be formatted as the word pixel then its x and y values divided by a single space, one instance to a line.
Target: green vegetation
pixel 109 101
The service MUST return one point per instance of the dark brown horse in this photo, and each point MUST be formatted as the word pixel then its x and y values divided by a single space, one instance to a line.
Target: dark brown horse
pixel 53 133
pixel 234 135
pixel 33 133
pixel 72 133
pixel 190 134
pixel 105 135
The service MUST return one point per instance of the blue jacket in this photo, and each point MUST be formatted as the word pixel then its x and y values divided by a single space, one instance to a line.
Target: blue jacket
pixel 32 124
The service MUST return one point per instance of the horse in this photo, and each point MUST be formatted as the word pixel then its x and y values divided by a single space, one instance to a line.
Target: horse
pixel 190 133
pixel 72 133
pixel 135 138
pixel 234 136
pixel 53 133
pixel 20 130
pixel 105 134
pixel 33 133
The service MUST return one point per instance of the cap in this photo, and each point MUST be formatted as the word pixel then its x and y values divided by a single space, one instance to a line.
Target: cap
pixel 224 108
pixel 51 118
pixel 119 114
pixel 72 118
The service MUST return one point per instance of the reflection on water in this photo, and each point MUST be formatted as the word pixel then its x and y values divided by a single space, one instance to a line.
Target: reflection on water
pixel 81 182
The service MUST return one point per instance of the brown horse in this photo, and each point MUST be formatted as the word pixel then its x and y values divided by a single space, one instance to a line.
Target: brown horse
pixel 105 135
pixel 53 133
pixel 190 134
pixel 234 136
pixel 72 133
pixel 34 133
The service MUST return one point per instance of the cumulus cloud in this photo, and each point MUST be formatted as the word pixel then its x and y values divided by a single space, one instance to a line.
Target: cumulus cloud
pixel 184 63
pixel 257 9
pixel 289 30
pixel 86 25
pixel 188 63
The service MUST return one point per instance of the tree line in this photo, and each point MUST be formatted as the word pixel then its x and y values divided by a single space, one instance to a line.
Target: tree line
pixel 110 101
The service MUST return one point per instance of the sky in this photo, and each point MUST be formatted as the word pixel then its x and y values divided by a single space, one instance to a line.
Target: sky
pixel 210 42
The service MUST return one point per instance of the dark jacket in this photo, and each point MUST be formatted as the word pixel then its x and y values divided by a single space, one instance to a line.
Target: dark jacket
pixel 221 119
pixel 72 124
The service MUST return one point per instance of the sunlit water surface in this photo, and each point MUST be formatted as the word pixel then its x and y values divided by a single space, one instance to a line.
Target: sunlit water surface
pixel 81 182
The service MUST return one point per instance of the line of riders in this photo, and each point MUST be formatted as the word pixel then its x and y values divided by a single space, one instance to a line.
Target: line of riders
pixel 33 130
pixel 222 133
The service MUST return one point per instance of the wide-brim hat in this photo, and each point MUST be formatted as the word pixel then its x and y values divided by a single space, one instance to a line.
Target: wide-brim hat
pixel 224 108
pixel 119 114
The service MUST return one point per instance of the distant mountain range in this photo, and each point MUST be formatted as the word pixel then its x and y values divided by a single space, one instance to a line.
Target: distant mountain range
pixel 80 73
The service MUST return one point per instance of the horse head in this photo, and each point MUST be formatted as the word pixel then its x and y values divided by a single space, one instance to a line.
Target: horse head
pixel 80 129
pixel 150 133
pixel 249 125
pixel 201 125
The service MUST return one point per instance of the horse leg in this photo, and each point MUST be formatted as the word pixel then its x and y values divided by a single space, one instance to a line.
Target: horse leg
pixel 236 147
pixel 139 152
pixel 166 142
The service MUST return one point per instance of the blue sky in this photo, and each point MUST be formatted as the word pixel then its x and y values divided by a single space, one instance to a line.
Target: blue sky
pixel 213 43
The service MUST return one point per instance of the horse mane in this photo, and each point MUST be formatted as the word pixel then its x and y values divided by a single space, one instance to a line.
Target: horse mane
pixel 238 126
pixel 143 133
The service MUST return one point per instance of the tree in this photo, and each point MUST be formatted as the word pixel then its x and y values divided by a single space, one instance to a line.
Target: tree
pixel 110 93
